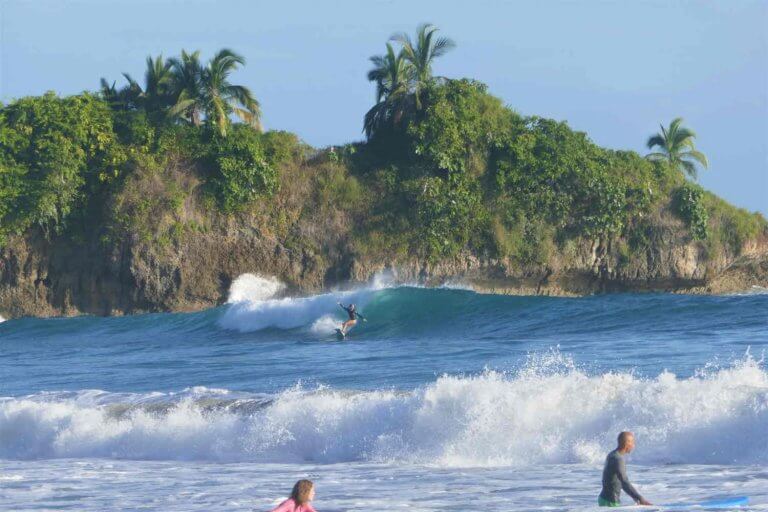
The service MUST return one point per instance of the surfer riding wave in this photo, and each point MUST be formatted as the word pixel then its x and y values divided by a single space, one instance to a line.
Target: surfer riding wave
pixel 353 315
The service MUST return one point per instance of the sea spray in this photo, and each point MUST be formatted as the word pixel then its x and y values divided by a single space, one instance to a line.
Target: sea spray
pixel 325 324
pixel 491 419
pixel 252 306
pixel 251 287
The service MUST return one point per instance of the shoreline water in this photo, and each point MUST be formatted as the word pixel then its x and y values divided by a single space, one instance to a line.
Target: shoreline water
pixel 87 484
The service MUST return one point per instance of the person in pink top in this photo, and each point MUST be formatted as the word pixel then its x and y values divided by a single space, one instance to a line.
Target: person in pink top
pixel 302 494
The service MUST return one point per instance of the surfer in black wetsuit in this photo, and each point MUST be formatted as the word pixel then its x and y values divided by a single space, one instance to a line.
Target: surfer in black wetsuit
pixel 353 314
pixel 615 475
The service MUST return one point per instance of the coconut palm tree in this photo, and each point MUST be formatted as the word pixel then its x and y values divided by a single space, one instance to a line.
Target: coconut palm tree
pixel 156 96
pixel 116 98
pixel 128 97
pixel 676 147
pixel 219 98
pixel 181 88
pixel 421 53
pixel 392 74
pixel 132 92
pixel 186 84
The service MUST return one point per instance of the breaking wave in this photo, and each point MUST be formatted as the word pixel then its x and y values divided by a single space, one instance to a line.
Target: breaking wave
pixel 548 412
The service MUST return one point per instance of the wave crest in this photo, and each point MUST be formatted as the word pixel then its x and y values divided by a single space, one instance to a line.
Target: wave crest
pixel 487 420
pixel 252 306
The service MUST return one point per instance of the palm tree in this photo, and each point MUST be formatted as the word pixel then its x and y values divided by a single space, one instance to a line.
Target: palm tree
pixel 126 98
pixel 186 84
pixel 158 95
pixel 676 147
pixel 154 98
pixel 392 74
pixel 219 97
pixel 132 93
pixel 181 88
pixel 207 90
pixel 111 94
pixel 422 53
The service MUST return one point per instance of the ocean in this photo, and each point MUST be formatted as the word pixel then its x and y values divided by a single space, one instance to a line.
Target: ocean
pixel 445 399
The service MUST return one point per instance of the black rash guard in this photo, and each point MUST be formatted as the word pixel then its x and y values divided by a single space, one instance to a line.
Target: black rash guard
pixel 615 479
pixel 353 314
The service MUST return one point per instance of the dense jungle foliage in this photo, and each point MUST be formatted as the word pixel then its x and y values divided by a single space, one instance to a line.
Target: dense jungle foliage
pixel 445 166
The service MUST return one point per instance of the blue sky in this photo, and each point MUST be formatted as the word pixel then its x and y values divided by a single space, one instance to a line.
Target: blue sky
pixel 614 69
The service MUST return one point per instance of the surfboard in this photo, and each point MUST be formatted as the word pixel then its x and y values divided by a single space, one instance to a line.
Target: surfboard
pixel 340 335
pixel 723 503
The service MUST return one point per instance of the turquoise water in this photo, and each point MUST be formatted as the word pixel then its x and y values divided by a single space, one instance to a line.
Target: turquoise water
pixel 475 387
pixel 413 336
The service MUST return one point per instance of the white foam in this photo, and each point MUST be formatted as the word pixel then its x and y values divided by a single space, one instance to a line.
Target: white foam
pixel 99 484
pixel 286 313
pixel 753 290
pixel 254 308
pixel 326 324
pixel 2 319
pixel 493 419
pixel 457 285
pixel 252 287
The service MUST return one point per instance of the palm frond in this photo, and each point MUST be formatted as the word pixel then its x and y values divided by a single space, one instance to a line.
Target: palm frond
pixel 374 119
pixel 675 124
pixel 683 136
pixel 131 82
pixel 226 61
pixel 656 140
pixel 656 156
pixel 181 109
pixel 248 117
pixel 219 116
pixel 696 155
pixel 442 46
pixel 689 168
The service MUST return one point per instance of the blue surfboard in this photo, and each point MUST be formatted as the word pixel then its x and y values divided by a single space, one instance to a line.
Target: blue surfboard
pixel 723 503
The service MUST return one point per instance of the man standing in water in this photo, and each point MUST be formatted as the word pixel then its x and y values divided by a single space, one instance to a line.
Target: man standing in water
pixel 615 475
pixel 353 314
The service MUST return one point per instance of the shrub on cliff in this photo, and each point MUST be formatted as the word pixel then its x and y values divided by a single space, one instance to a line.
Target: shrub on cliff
pixel 470 159
pixel 457 127
pixel 731 227
pixel 241 171
pixel 689 205
pixel 51 151
pixel 546 170
pixel 450 139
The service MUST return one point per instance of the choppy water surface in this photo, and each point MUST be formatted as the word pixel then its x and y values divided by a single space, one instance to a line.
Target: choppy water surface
pixel 444 400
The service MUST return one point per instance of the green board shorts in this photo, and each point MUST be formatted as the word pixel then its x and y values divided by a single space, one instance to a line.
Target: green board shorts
pixel 605 503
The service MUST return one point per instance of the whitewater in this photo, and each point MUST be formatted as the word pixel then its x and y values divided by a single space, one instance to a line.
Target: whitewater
pixel 446 399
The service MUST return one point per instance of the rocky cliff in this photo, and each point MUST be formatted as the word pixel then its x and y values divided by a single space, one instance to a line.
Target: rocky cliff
pixel 51 277
pixel 107 210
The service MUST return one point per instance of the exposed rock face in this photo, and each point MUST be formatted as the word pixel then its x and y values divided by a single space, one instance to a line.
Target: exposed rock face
pixel 39 277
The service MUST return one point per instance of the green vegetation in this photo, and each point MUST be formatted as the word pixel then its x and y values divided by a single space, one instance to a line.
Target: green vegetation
pixel 689 203
pixel 242 171
pixel 676 147
pixel 182 89
pixel 54 153
pixel 446 168
pixel 402 79
pixel 730 227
